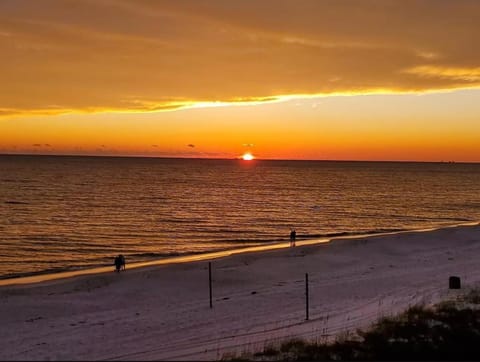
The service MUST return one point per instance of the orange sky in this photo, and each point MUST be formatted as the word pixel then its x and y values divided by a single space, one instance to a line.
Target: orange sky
pixel 369 80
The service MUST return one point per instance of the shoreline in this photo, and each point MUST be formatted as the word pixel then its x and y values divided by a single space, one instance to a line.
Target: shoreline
pixel 162 312
pixel 40 278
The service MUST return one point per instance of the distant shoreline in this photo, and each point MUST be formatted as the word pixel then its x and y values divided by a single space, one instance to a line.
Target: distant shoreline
pixel 39 278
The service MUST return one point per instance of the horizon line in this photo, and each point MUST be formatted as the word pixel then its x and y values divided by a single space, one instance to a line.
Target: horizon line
pixel 233 158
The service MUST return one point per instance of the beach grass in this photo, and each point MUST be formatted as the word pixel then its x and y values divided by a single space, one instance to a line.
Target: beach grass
pixel 449 330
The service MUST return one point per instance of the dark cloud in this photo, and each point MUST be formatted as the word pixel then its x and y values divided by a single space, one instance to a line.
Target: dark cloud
pixel 145 55
pixel 191 145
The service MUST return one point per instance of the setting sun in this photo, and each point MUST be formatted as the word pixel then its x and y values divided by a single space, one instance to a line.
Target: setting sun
pixel 247 157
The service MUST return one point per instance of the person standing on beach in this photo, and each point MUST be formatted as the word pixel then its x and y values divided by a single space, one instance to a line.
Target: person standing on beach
pixel 293 236
pixel 122 261
pixel 118 263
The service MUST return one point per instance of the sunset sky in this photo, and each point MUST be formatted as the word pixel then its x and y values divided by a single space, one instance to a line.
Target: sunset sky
pixel 298 79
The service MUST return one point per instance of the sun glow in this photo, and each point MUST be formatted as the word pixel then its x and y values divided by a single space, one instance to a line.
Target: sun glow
pixel 247 157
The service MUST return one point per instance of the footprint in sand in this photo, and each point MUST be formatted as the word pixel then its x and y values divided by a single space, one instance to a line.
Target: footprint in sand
pixel 31 320
pixel 224 298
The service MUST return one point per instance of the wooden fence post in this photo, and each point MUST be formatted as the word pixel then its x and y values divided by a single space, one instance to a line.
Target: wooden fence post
pixel 306 296
pixel 210 282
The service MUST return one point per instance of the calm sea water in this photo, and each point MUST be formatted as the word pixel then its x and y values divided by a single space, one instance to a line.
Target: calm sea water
pixel 62 213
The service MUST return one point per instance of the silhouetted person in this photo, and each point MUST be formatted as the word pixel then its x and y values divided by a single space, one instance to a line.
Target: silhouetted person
pixel 122 261
pixel 293 236
pixel 119 261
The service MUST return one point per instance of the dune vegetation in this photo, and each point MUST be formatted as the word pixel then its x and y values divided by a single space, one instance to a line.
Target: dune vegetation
pixel 449 330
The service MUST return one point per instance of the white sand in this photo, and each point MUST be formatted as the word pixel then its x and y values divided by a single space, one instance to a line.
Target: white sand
pixel 162 312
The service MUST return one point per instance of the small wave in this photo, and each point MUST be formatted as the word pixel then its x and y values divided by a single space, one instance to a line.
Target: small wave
pixel 10 180
pixel 152 198
pixel 156 255
pixel 55 270
pixel 13 202
pixel 350 233
pixel 172 253
pixel 44 239
pixel 251 241
pixel 143 256
pixel 52 270
pixel 459 219
pixel 180 220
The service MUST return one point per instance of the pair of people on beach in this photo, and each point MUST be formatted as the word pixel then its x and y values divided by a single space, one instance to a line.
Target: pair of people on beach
pixel 119 262
pixel 293 236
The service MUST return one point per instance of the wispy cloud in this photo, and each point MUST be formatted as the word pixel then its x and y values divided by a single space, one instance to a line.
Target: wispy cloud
pixel 450 73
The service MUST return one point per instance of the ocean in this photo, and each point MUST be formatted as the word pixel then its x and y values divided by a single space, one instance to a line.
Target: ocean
pixel 61 213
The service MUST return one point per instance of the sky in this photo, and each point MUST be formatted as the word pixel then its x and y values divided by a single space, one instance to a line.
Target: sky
pixel 298 79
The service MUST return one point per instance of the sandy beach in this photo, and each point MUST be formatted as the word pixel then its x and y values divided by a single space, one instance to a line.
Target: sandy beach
pixel 162 312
